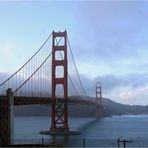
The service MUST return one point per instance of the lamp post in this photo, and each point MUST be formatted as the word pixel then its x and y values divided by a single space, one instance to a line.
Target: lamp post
pixel 119 141
pixel 124 141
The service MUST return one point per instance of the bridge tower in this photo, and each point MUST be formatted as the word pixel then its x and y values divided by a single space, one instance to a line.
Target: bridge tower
pixel 59 109
pixel 98 92
pixel 99 98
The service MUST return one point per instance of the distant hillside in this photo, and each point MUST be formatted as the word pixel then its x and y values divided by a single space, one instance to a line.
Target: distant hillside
pixel 113 108
pixel 110 108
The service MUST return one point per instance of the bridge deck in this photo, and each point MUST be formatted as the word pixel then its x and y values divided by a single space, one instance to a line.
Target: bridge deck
pixel 23 100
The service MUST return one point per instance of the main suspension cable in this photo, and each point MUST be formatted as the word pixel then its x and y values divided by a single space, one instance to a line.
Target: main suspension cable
pixel 27 61
pixel 35 70
pixel 68 73
pixel 76 67
pixel 32 73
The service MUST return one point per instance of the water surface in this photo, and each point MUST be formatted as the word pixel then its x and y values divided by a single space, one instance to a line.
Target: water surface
pixel 96 132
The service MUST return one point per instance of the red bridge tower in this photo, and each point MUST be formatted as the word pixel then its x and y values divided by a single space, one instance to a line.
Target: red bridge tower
pixel 59 106
pixel 59 111
pixel 99 110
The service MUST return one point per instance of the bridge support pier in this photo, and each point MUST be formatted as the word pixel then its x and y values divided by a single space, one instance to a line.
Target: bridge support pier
pixel 6 119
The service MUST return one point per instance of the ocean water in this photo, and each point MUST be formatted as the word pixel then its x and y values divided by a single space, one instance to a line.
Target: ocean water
pixel 102 132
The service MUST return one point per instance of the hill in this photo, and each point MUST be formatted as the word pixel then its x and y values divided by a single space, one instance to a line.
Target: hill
pixel 114 108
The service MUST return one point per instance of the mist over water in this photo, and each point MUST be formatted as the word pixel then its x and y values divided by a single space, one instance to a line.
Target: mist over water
pixel 97 132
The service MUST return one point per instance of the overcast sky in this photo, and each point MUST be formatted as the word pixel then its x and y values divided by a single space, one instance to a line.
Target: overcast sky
pixel 109 41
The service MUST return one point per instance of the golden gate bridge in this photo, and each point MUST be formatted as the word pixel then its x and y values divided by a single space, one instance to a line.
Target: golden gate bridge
pixel 45 79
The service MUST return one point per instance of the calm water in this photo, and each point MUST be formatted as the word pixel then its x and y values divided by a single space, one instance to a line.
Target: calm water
pixel 98 133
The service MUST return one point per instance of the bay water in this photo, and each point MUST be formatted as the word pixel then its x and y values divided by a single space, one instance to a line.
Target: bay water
pixel 102 132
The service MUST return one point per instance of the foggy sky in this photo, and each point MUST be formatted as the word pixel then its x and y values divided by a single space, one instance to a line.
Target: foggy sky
pixel 108 39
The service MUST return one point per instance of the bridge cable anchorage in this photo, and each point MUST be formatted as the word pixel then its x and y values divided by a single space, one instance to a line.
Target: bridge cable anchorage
pixel 27 61
pixel 69 75
pixel 76 68
pixel 33 73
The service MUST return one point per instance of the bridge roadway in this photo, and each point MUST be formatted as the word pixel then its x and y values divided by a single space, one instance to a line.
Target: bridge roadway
pixel 23 100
